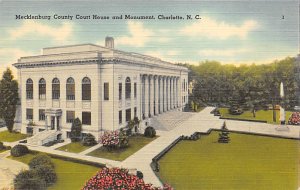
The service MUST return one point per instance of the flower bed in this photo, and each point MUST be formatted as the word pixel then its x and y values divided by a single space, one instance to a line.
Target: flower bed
pixel 295 118
pixel 114 139
pixel 116 178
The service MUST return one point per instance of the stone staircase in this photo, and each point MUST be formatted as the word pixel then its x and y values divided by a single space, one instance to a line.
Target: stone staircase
pixel 169 120
pixel 43 137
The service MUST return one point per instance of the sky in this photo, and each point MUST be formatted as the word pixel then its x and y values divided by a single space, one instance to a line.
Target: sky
pixel 234 32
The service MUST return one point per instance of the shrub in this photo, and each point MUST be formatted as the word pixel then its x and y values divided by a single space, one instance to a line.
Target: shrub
pixel 2 147
pixel 114 139
pixel 150 132
pixel 140 174
pixel 89 140
pixel 41 160
pixel 119 178
pixel 47 173
pixel 29 179
pixel 19 150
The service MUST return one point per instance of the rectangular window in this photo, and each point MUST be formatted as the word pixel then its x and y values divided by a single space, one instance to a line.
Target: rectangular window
pixel 86 118
pixel 29 114
pixel 120 117
pixel 42 115
pixel 106 91
pixel 70 92
pixel 55 91
pixel 135 112
pixel 86 91
pixel 135 90
pixel 120 91
pixel 70 116
pixel 128 115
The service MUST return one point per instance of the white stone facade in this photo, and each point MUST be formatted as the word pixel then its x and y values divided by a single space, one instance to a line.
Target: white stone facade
pixel 117 81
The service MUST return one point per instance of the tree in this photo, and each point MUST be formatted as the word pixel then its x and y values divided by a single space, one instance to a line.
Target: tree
pixel 9 97
pixel 223 136
pixel 76 128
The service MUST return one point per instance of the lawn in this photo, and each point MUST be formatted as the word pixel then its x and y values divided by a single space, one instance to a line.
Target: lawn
pixel 70 175
pixel 6 136
pixel 247 162
pixel 75 147
pixel 265 115
pixel 135 143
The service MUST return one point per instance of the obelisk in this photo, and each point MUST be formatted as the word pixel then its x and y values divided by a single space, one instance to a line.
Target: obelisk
pixel 282 126
pixel 282 111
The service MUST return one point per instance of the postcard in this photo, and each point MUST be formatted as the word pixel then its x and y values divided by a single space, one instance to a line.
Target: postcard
pixel 149 95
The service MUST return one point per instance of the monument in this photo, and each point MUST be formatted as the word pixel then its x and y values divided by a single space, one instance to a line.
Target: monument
pixel 282 126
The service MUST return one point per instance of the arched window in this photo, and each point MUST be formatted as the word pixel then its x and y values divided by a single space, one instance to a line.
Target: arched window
pixel 127 88
pixel 86 88
pixel 55 88
pixel 29 89
pixel 42 88
pixel 70 86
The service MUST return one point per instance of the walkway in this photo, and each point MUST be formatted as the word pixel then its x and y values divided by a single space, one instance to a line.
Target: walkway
pixel 8 170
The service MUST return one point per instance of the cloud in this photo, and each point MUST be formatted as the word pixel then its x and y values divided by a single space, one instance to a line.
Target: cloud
pixel 223 53
pixel 139 35
pixel 213 29
pixel 9 56
pixel 35 28
pixel 165 56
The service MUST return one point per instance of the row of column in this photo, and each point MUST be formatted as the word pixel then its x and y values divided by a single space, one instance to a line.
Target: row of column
pixel 159 94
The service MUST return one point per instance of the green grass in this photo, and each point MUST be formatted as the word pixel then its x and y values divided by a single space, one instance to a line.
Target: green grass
pixel 265 115
pixel 6 136
pixel 75 147
pixel 247 162
pixel 70 175
pixel 135 144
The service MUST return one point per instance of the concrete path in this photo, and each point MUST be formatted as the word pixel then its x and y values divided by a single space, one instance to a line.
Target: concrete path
pixel 8 170
pixel 200 122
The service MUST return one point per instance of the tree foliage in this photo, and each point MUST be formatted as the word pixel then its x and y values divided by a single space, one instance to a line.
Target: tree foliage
pixel 9 97
pixel 251 86
pixel 75 134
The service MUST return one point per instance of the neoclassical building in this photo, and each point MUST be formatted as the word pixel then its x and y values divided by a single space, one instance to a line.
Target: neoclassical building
pixel 102 86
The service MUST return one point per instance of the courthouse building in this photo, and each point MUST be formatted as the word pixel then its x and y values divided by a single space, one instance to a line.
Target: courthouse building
pixel 102 86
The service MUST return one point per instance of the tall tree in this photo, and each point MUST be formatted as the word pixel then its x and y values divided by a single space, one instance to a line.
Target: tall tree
pixel 76 128
pixel 9 97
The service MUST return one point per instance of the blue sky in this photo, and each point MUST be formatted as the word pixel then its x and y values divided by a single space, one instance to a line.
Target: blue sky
pixel 229 31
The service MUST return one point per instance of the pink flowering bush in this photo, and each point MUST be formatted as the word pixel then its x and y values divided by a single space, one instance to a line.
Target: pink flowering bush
pixel 294 119
pixel 120 179
pixel 114 139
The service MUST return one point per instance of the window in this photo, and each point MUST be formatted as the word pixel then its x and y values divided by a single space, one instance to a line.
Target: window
pixel 55 89
pixel 42 115
pixel 86 88
pixel 29 89
pixel 135 112
pixel 120 117
pixel 106 91
pixel 127 88
pixel 128 115
pixel 120 91
pixel 70 116
pixel 29 114
pixel 42 89
pixel 86 118
pixel 70 89
pixel 135 90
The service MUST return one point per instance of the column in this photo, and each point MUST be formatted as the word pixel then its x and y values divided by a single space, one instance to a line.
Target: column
pixel 156 96
pixel 46 122
pixel 176 92
pixel 55 122
pixel 166 94
pixel 146 81
pixel 169 93
pixel 161 107
pixel 151 95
